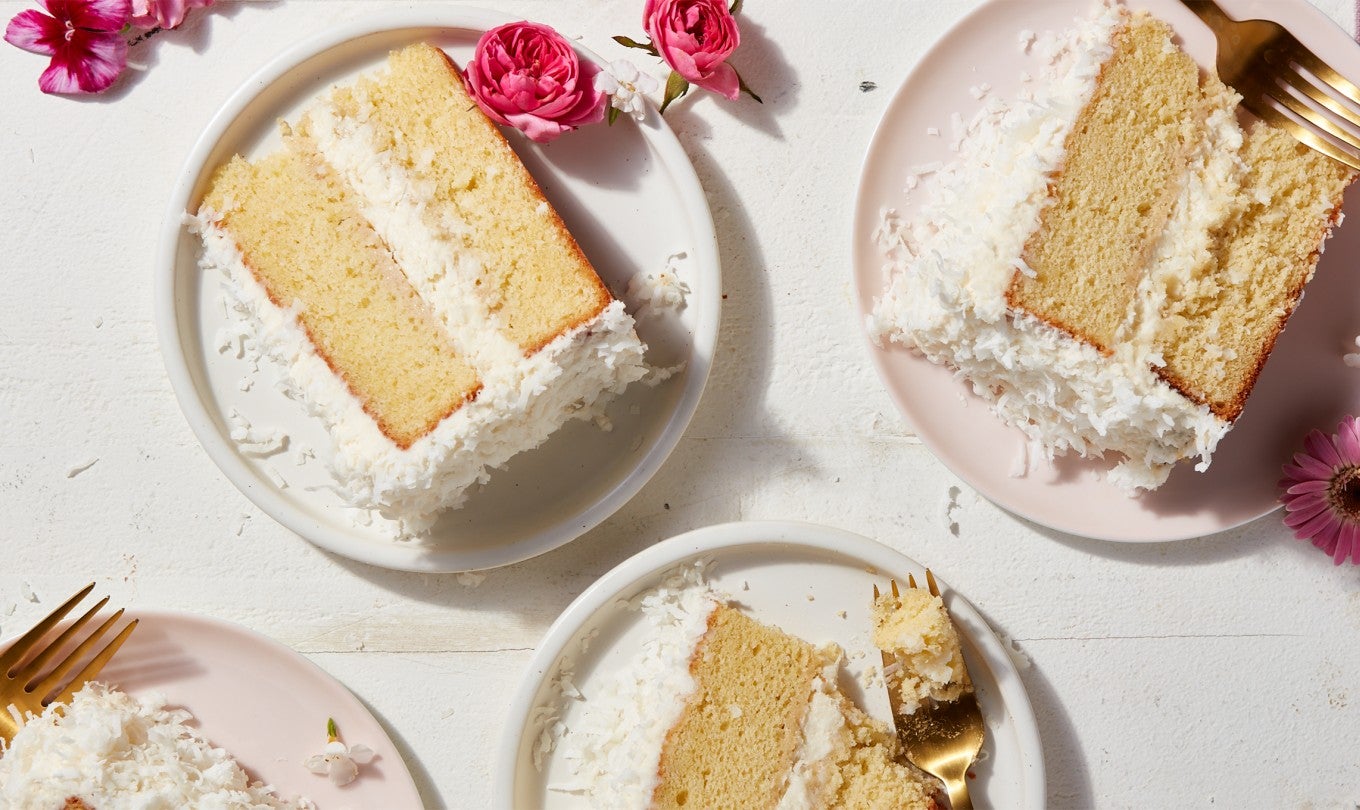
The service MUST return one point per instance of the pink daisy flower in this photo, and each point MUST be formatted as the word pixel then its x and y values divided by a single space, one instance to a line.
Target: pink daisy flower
pixel 1322 492
pixel 83 37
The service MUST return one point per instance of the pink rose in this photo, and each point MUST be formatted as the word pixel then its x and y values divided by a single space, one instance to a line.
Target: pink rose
pixel 163 13
pixel 527 76
pixel 695 37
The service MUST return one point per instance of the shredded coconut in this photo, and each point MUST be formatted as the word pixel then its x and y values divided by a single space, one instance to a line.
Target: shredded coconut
pixel 950 263
pixel 114 751
pixel 614 745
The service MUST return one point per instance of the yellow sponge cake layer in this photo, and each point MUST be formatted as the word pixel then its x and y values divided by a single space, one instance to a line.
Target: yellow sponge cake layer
pixel 1216 337
pixel 752 695
pixel 1124 166
pixel 301 235
pixel 533 276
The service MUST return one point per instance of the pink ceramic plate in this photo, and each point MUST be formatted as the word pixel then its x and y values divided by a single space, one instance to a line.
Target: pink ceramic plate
pixel 1305 384
pixel 264 703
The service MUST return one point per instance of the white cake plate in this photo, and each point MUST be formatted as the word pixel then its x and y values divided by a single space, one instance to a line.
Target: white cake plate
pixel 629 195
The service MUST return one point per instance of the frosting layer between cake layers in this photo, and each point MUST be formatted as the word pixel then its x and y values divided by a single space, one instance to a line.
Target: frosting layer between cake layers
pixel 621 741
pixel 523 397
pixel 949 267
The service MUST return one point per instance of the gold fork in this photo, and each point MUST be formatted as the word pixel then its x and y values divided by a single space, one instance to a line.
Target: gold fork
pixel 26 682
pixel 940 738
pixel 1274 72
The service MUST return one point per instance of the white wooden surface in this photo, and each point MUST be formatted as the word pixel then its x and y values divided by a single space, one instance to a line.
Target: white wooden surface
pixel 1215 672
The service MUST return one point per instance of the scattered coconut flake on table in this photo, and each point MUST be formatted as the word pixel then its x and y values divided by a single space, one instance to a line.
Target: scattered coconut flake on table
pixel 471 579
pixel 81 467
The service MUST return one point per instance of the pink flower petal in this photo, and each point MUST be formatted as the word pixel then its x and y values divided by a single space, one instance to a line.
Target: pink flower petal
pixel 163 13
pixel 1298 517
pixel 92 15
pixel 1303 512
pixel 1345 543
pixel 1312 467
pixel 1317 525
pixel 1327 537
pixel 1348 441
pixel 1306 500
pixel 1320 446
pixel 89 64
pixel 1308 486
pixel 35 32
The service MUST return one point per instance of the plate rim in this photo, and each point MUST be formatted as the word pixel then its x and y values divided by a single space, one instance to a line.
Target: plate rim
pixel 879 355
pixel 741 535
pixel 154 615
pixel 393 554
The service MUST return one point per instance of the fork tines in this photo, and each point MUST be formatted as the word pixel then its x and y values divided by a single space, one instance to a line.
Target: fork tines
pixel 30 662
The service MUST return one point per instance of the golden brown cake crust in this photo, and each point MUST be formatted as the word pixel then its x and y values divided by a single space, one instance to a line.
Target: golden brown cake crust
pixel 602 296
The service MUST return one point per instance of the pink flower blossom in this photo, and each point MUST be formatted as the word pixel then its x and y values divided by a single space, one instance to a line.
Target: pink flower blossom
pixel 525 75
pixel 163 13
pixel 1322 491
pixel 695 37
pixel 82 37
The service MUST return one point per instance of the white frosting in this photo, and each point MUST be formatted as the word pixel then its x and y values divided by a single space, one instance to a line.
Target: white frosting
pixel 826 736
pixel 516 409
pixel 614 747
pixel 522 400
pixel 116 752
pixel 950 266
pixel 1207 200
pixel 426 247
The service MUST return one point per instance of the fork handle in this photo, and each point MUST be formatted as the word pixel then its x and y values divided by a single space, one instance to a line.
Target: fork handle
pixel 958 793
pixel 1209 12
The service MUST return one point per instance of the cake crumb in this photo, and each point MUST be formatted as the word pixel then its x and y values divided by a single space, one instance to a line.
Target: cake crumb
pixel 82 467
pixel 655 294
pixel 1026 39
pixel 98 322
pixel 811 598
pixel 471 579
pixel 26 591
pixel 842 614
pixel 656 375
pixel 980 91
pixel 1018 656
pixel 933 132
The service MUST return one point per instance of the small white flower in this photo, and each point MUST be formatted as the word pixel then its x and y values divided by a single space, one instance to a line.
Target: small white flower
pixel 626 87
pixel 337 761
pixel 1352 359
